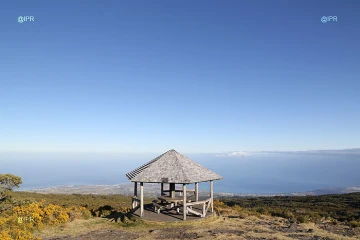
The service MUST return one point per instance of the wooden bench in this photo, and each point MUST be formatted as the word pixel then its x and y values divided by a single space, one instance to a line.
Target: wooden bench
pixel 159 206
pixel 205 206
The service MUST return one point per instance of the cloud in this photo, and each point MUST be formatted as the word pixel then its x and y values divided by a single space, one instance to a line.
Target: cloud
pixel 327 151
pixel 233 154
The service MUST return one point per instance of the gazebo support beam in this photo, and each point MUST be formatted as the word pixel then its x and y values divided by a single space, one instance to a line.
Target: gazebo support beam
pixel 141 199
pixel 196 192
pixel 135 203
pixel 184 201
pixel 172 190
pixel 135 189
pixel 162 189
pixel 212 195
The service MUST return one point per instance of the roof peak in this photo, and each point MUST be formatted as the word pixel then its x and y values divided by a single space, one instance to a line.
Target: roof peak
pixel 173 166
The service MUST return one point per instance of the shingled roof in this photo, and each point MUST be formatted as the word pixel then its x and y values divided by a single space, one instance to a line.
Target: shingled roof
pixel 172 167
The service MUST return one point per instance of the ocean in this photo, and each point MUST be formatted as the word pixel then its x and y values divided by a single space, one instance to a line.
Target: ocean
pixel 258 173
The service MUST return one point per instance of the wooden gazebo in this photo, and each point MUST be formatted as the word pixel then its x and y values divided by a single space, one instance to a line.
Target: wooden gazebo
pixel 173 168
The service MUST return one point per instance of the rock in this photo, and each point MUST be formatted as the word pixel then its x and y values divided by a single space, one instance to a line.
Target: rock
pixel 293 227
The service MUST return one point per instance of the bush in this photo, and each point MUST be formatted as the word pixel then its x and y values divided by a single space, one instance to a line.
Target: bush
pixel 76 212
pixel 86 214
pixel 263 211
pixel 287 214
pixel 302 219
pixel 342 208
pixel 55 214
pixel 355 224
pixel 19 222
pixel 21 201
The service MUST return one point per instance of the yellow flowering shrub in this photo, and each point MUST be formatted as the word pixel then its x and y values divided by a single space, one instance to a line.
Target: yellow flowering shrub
pixel 12 228
pixel 55 214
pixel 2 221
pixel 5 234
pixel 19 222
pixel 34 211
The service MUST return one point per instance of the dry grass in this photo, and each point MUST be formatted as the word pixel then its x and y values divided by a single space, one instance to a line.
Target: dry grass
pixel 74 228
pixel 251 227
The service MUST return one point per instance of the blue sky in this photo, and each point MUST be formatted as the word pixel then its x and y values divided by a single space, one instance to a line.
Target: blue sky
pixel 196 76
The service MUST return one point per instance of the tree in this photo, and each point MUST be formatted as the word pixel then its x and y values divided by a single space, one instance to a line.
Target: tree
pixel 7 183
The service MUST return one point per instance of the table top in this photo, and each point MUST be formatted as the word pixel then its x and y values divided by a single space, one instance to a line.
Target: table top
pixel 178 190
pixel 169 199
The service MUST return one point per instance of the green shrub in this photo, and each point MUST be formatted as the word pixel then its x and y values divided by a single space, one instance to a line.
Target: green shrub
pixel 355 224
pixel 86 214
pixel 305 218
pixel 263 211
pixel 287 214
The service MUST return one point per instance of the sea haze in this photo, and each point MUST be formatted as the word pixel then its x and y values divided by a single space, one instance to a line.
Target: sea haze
pixel 261 172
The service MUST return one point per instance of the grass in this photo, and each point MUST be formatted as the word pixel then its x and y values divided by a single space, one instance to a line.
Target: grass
pixel 241 218
pixel 342 207
pixel 76 227
pixel 215 227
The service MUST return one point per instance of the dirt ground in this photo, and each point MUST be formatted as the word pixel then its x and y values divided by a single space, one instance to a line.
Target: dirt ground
pixel 100 234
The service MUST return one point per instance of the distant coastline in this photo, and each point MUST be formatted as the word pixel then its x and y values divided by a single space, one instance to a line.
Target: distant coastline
pixel 152 190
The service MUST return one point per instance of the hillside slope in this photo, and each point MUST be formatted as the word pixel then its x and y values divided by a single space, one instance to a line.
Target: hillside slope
pixel 312 217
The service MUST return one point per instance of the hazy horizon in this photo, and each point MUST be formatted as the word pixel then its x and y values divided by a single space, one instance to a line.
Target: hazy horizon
pixel 243 172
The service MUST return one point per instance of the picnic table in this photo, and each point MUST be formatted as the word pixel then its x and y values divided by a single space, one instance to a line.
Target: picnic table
pixel 172 202
pixel 179 191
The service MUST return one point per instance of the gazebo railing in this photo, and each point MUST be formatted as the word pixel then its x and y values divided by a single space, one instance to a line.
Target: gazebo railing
pixel 189 207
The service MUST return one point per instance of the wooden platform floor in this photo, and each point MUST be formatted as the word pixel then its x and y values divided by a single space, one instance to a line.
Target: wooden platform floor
pixel 169 215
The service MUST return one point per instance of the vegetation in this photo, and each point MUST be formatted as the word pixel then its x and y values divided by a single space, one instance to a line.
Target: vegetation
pixel 337 208
pixel 23 213
pixel 7 183
pixel 28 216
pixel 20 221
pixel 98 205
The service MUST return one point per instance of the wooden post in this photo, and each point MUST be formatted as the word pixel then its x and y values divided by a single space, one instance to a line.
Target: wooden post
pixel 141 199
pixel 135 189
pixel 172 189
pixel 196 192
pixel 184 201
pixel 212 195
pixel 162 189
pixel 135 203
pixel 204 210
